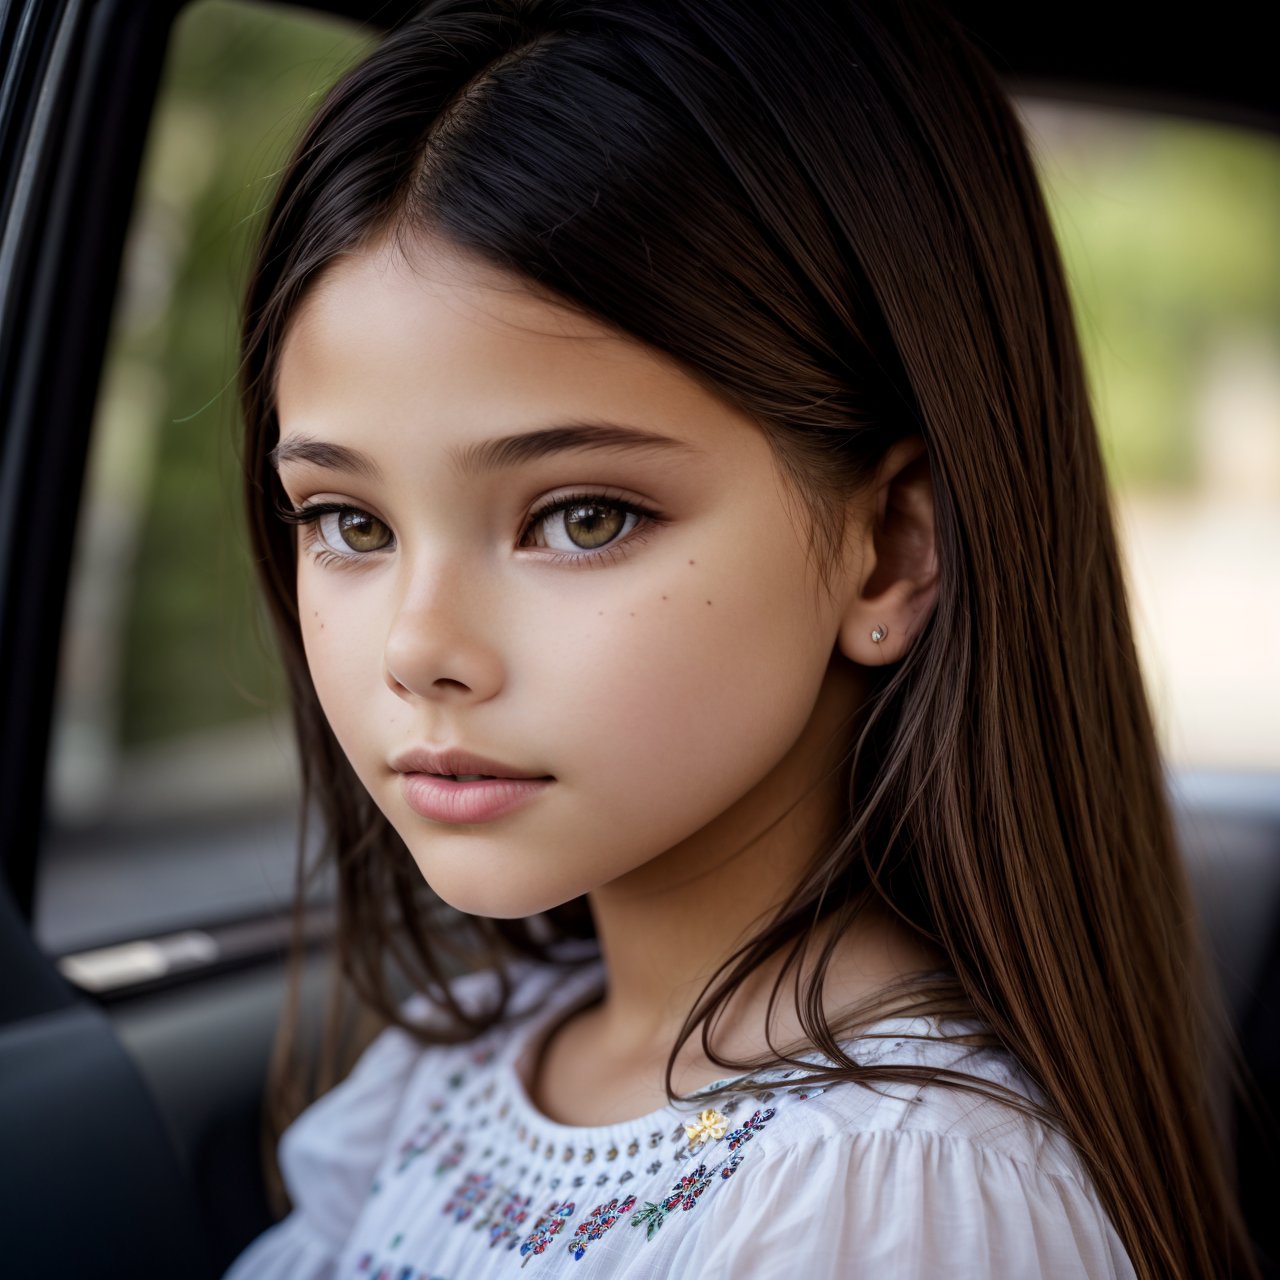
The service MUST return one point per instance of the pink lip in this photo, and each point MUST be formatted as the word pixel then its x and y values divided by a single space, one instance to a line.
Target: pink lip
pixel 454 760
pixel 428 790
pixel 444 800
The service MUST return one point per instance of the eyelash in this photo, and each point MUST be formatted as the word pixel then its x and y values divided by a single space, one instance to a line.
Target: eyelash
pixel 309 515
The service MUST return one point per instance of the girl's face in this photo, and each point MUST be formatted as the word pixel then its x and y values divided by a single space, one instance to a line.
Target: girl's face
pixel 637 619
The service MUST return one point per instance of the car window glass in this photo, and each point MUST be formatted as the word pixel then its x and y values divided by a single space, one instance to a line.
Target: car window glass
pixel 171 793
pixel 1171 235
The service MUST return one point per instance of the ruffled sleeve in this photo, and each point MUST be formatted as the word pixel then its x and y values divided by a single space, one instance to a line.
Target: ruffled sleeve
pixel 328 1158
pixel 913 1204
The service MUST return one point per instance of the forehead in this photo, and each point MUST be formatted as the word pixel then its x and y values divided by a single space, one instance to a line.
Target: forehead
pixel 442 340
pixel 385 288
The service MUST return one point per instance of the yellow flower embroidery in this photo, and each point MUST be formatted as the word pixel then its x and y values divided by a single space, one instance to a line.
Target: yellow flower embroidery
pixel 709 1126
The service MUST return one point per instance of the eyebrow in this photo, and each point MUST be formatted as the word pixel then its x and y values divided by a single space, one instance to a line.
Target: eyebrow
pixel 488 455
pixel 316 453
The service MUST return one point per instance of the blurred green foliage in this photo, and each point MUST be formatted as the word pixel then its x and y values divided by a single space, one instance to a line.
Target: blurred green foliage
pixel 1169 232
pixel 239 83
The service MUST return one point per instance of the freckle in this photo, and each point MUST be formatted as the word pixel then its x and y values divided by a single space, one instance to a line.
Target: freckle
pixel 633 615
pixel 664 597
pixel 690 561
pixel 599 613
pixel 708 601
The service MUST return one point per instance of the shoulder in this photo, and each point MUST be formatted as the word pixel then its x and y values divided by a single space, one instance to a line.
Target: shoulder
pixel 931 1179
pixel 330 1153
pixel 987 1116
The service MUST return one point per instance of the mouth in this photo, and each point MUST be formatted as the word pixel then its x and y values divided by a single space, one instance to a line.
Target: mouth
pixel 453 764
pixel 485 777
pixel 466 799
pixel 457 787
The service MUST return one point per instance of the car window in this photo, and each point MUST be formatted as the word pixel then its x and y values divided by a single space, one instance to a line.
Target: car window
pixel 1171 235
pixel 171 797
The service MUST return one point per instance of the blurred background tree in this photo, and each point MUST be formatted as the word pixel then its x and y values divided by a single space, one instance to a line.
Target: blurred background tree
pixel 239 84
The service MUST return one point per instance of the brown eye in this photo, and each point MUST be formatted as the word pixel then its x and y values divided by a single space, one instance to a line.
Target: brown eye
pixel 361 532
pixel 351 530
pixel 590 525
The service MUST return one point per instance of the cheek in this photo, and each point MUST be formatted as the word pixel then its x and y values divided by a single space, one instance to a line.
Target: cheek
pixel 340 641
pixel 678 707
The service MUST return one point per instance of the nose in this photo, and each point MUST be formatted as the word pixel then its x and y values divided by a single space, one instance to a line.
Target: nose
pixel 438 642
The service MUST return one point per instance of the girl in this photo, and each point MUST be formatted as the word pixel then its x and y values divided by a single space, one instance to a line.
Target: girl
pixel 673 480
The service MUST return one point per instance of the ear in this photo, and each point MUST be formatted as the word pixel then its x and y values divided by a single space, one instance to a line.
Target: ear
pixel 893 583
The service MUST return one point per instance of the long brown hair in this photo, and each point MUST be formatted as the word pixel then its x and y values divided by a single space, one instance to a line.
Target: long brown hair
pixel 827 212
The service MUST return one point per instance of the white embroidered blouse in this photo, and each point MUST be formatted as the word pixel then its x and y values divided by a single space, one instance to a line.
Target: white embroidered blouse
pixel 431 1163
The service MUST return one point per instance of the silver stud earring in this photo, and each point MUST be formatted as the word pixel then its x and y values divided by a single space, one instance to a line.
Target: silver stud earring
pixel 879 634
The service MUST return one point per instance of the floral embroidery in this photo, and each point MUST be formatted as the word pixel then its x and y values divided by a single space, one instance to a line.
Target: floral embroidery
pixel 451 1158
pixel 511 1216
pixel 495 1197
pixel 684 1195
pixel 597 1222
pixel 753 1126
pixel 805 1092
pixel 686 1192
pixel 421 1140
pixel 709 1126
pixel 469 1193
pixel 546 1228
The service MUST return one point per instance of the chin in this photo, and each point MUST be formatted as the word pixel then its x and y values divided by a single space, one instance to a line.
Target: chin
pixel 467 887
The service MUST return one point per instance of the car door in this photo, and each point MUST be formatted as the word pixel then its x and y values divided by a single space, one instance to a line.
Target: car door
pixel 142 928
pixel 131 1073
